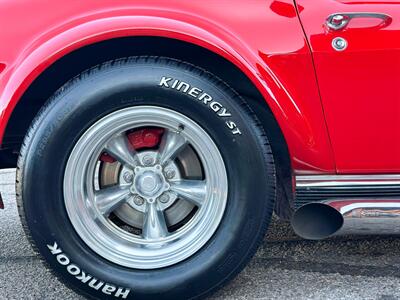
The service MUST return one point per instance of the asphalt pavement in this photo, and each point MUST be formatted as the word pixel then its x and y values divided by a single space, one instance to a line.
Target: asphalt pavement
pixel 285 267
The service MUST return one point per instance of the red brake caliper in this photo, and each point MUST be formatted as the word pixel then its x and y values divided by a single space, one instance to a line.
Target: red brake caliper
pixel 142 138
pixel 145 138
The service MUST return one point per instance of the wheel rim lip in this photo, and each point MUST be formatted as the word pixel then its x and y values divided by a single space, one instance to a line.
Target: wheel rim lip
pixel 127 250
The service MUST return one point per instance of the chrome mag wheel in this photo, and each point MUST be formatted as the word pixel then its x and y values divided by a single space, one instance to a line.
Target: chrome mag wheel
pixel 145 187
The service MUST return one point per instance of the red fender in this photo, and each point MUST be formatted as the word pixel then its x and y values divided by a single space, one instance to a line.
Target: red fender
pixel 269 47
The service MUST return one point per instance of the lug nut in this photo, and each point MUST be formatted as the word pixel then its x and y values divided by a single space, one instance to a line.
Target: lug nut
pixel 164 198
pixel 170 174
pixel 128 177
pixel 147 160
pixel 138 200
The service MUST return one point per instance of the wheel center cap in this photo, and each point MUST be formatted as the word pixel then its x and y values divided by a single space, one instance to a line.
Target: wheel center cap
pixel 148 183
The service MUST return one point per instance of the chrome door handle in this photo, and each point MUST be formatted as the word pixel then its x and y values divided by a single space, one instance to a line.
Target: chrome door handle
pixel 339 21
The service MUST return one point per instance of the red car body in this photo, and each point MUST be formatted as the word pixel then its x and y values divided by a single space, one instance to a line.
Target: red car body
pixel 325 102
pixel 320 76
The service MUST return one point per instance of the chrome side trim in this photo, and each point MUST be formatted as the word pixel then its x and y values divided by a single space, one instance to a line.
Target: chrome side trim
pixel 304 181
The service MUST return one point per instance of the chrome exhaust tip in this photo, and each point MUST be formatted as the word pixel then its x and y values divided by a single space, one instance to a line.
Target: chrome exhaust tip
pixel 319 220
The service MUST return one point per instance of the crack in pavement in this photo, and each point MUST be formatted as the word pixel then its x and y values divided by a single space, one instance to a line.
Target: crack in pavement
pixel 329 268
pixel 16 259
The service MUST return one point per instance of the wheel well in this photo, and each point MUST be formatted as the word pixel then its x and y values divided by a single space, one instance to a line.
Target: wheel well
pixel 77 61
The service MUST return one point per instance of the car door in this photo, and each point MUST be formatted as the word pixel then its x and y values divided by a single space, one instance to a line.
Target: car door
pixel 356 51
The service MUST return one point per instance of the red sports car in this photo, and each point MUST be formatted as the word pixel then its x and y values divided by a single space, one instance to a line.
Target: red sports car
pixel 153 140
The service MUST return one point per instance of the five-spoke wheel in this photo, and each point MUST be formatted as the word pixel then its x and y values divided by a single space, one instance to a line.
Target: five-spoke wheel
pixel 145 206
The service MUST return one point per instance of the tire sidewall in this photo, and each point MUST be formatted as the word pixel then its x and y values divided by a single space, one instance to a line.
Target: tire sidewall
pixel 87 99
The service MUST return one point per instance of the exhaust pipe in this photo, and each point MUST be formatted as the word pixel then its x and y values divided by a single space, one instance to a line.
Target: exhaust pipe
pixel 319 220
